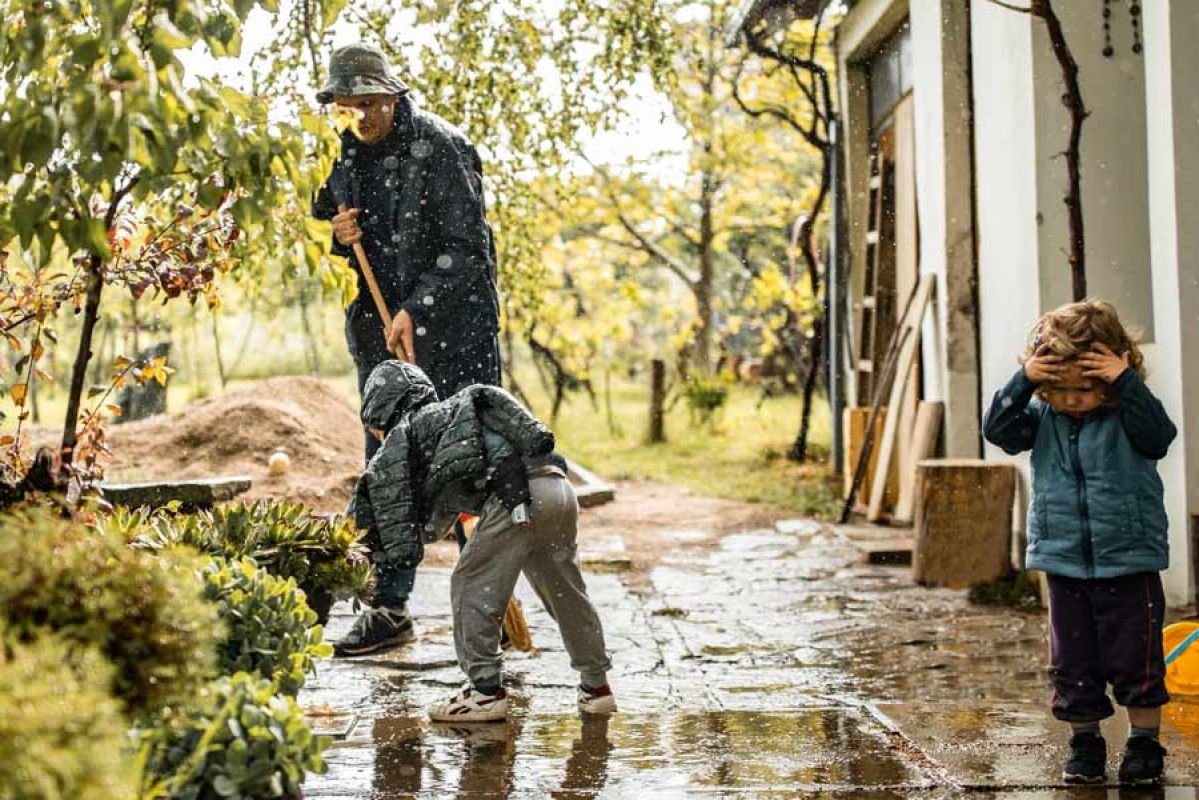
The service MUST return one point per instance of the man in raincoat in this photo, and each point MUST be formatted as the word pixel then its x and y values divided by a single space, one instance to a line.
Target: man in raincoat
pixel 412 188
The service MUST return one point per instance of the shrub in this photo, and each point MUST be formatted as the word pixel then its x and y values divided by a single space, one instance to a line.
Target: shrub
pixel 143 612
pixel 325 556
pixel 62 735
pixel 705 396
pixel 272 631
pixel 243 741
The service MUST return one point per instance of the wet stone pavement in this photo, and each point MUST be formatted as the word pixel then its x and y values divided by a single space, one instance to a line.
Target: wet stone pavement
pixel 765 664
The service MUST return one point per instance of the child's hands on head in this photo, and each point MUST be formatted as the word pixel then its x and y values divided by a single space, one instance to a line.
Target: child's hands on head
pixel 1044 366
pixel 1103 363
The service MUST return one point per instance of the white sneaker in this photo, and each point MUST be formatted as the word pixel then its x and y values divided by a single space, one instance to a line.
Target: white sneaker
pixel 597 701
pixel 471 706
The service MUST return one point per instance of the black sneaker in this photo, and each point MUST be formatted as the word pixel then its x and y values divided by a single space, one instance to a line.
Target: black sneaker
pixel 375 629
pixel 1144 758
pixel 1088 759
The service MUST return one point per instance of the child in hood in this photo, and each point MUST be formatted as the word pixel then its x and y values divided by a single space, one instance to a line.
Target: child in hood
pixel 1096 526
pixel 479 451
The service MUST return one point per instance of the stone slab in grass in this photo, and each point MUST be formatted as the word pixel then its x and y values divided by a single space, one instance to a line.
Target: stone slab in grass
pixel 1002 746
pixel 192 494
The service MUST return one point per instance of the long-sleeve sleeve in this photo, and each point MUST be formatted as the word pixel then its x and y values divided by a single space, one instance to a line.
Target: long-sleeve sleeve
pixel 1144 417
pixel 503 413
pixel 1011 423
pixel 456 209
pixel 386 499
pixel 324 207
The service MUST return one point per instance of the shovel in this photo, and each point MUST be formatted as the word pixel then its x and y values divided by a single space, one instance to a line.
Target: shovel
pixel 380 306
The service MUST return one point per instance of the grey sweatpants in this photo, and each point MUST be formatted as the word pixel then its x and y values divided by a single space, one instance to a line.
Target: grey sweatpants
pixel 546 552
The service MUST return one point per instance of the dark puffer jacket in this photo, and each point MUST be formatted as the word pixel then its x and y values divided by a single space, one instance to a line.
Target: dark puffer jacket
pixel 439 457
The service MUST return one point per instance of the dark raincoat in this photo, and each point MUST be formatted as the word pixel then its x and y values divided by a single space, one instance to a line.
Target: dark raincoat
pixel 425 234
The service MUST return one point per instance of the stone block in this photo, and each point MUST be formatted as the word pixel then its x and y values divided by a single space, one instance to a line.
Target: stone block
pixel 191 494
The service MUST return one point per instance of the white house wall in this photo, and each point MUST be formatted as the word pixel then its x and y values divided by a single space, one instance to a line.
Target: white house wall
pixel 940 68
pixel 1006 203
pixel 1171 64
pixel 1115 178
pixel 1133 163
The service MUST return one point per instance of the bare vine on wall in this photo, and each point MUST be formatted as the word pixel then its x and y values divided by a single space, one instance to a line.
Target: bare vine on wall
pixel 1072 99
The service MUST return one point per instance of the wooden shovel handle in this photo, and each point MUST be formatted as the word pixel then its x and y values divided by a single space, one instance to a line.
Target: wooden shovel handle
pixel 368 273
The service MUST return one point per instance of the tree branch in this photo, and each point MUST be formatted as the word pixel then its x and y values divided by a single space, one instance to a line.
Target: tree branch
pixel 1011 7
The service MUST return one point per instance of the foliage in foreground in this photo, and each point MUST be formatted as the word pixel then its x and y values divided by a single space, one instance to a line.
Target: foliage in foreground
pixel 243 741
pixel 272 631
pixel 1017 590
pixel 324 556
pixel 62 734
pixel 142 611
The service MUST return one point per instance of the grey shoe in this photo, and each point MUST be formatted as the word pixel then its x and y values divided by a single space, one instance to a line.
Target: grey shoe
pixel 375 629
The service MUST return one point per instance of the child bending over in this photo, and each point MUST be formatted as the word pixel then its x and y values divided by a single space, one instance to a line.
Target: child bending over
pixel 480 451
pixel 1096 527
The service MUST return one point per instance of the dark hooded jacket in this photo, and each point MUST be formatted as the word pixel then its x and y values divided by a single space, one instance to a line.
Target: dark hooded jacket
pixel 425 234
pixel 439 457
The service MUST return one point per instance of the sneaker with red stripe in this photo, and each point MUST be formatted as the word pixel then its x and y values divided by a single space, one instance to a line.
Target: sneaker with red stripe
pixel 597 701
pixel 470 705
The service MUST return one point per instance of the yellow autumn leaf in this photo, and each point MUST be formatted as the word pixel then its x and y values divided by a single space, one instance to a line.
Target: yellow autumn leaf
pixel 18 393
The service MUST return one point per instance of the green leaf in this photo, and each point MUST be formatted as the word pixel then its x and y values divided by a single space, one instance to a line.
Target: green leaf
pixel 224 786
pixel 331 12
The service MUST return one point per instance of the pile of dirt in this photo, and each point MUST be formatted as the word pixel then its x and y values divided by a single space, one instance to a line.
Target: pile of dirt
pixel 235 434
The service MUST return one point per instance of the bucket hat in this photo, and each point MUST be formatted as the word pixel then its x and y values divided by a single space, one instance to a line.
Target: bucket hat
pixel 358 69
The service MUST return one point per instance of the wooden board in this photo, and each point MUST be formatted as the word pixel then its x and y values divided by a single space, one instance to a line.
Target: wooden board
pixel 963 521
pixel 925 432
pixel 912 322
pixel 907 268
pixel 854 424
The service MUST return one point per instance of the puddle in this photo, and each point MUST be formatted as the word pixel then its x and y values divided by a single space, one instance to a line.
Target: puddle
pixel 629 756
pixel 1015 745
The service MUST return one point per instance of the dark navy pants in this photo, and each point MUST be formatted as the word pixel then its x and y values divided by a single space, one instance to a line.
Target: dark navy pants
pixel 1106 631
pixel 477 364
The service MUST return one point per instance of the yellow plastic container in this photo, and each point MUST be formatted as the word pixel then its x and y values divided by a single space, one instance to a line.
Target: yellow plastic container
pixel 1180 642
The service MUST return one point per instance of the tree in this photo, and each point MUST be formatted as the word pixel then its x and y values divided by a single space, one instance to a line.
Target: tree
pixel 526 81
pixel 799 55
pixel 113 172
pixel 717 227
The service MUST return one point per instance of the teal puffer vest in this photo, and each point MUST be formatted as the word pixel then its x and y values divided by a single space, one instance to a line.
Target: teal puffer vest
pixel 1097 509
pixel 1097 506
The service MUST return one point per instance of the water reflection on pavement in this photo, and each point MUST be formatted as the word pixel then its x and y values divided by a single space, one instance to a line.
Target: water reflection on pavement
pixel 771 664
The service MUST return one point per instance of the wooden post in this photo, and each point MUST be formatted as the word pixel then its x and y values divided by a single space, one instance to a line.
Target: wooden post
pixel 657 402
pixel 963 521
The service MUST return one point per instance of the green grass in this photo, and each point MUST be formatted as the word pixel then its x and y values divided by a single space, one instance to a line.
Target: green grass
pixel 742 456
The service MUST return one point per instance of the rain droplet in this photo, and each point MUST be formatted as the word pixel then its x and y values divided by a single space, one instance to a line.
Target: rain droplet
pixel 428 300
pixel 421 149
pixel 421 331
pixel 444 261
pixel 391 163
